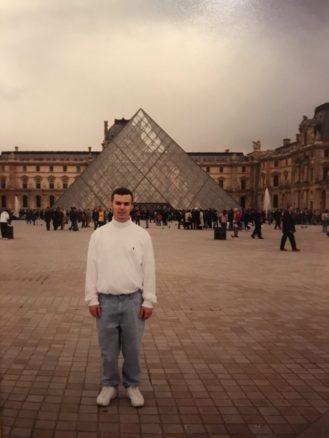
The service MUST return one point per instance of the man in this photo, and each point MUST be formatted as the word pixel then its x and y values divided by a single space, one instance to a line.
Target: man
pixel 74 217
pixel 288 230
pixel 4 221
pixel 257 219
pixel 277 219
pixel 120 293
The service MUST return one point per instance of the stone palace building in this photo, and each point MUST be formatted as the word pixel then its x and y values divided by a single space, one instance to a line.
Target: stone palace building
pixel 296 172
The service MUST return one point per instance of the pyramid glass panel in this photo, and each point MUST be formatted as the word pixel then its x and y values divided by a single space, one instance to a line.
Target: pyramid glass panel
pixel 144 158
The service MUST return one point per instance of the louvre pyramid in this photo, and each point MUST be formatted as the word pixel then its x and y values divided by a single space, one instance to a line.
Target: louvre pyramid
pixel 145 159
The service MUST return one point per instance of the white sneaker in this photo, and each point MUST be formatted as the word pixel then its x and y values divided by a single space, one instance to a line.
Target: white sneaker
pixel 107 394
pixel 136 397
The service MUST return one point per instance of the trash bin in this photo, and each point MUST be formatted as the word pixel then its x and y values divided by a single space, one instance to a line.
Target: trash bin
pixel 220 233
pixel 10 232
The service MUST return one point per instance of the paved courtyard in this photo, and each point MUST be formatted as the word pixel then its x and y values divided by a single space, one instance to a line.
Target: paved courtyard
pixel 238 345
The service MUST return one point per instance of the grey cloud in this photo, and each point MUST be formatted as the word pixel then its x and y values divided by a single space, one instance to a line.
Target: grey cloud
pixel 214 73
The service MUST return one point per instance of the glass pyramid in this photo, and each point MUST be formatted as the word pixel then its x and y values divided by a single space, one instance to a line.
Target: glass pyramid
pixel 145 159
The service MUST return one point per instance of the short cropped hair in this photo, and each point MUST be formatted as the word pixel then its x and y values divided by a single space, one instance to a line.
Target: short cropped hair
pixel 122 191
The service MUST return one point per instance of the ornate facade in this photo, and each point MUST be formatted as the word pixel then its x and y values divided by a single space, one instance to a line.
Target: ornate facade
pixel 296 173
pixel 38 178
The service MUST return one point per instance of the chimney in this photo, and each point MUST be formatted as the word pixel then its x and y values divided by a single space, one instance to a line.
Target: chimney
pixel 16 148
pixel 106 124
pixel 297 138
pixel 286 141
pixel 227 151
pixel 89 149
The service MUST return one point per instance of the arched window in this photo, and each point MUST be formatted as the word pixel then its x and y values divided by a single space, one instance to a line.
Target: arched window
pixel 276 179
pixel 25 201
pixel 38 201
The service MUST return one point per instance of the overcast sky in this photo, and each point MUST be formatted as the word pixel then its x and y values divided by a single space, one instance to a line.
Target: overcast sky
pixel 215 74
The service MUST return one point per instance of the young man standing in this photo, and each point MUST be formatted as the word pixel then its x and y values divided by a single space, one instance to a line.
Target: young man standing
pixel 120 293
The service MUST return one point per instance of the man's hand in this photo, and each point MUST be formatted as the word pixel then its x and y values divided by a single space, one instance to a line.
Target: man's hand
pixel 145 312
pixel 95 311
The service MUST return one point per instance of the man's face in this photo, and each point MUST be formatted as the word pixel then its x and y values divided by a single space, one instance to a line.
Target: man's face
pixel 121 207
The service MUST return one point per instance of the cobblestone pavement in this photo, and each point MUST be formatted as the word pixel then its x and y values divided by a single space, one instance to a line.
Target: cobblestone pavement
pixel 238 346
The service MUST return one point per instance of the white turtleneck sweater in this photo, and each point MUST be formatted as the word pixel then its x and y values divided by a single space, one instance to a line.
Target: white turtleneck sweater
pixel 120 261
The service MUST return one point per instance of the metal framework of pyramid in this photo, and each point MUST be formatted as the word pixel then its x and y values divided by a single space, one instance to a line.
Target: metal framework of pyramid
pixel 144 158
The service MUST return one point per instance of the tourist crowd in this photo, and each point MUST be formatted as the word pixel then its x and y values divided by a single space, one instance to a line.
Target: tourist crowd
pixel 191 219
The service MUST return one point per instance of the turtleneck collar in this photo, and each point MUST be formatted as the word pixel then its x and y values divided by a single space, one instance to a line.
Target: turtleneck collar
pixel 118 224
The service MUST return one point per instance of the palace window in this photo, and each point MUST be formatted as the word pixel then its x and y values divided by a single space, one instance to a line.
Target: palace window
pixel 325 172
pixel 51 200
pixel 64 168
pixel 51 168
pixel 276 163
pixel 275 180
pixel 78 169
pixel 207 169
pixel 221 183
pixel 65 185
pixel 243 184
pixel 221 169
pixel 38 182
pixel 25 201
pixel 51 180
pixel 275 201
pixel 37 168
pixel 3 183
pixel 3 201
pixel 24 168
pixel 326 153
pixel 38 201
pixel 24 182
pixel 243 169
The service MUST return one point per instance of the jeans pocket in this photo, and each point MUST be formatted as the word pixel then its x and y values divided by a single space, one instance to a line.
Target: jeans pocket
pixel 138 299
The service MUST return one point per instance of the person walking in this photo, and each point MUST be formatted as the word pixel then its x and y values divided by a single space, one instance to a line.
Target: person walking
pixel 277 219
pixel 257 219
pixel 120 293
pixel 288 230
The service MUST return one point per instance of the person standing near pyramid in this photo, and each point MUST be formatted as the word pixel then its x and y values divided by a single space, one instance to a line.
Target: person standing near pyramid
pixel 120 293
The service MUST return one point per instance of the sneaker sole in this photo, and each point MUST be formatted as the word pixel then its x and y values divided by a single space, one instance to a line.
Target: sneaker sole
pixel 139 405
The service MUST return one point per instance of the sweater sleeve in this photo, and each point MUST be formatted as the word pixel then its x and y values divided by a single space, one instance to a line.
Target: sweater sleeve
pixel 91 296
pixel 149 294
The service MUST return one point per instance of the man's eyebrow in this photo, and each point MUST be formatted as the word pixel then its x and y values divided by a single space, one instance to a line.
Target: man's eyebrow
pixel 124 203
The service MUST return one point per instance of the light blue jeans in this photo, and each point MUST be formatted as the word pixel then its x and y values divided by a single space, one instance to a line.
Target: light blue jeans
pixel 120 328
